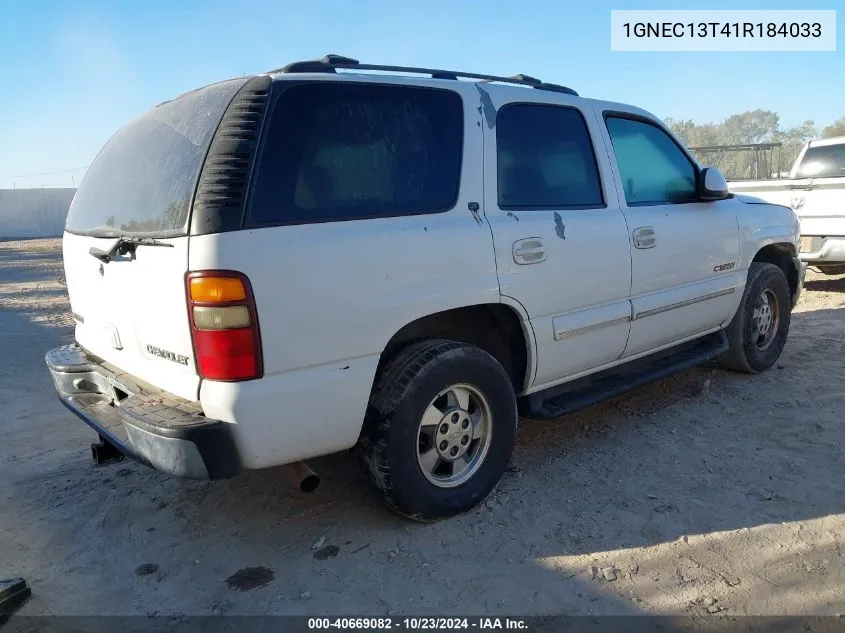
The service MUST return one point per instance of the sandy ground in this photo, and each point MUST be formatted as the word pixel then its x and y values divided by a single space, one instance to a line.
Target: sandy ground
pixel 706 492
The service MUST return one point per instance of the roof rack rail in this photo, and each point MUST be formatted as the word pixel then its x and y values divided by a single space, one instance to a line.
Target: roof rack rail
pixel 331 63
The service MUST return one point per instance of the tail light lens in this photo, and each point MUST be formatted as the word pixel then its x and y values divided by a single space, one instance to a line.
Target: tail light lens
pixel 224 325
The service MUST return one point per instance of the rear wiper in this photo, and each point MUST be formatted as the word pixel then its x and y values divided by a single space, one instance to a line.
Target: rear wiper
pixel 125 245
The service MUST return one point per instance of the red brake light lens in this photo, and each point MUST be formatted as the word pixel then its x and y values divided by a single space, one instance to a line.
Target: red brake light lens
pixel 226 354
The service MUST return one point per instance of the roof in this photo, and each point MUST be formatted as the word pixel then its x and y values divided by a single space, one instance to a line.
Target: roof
pixel 330 64
pixel 836 140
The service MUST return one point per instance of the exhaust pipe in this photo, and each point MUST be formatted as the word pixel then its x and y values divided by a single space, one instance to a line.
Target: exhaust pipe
pixel 301 476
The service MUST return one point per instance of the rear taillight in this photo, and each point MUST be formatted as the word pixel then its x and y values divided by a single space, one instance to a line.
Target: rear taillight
pixel 224 325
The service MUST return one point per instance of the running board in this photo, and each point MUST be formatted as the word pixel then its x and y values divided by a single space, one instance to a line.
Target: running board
pixel 572 396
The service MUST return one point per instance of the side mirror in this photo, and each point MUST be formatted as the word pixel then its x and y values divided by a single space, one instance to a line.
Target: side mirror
pixel 712 185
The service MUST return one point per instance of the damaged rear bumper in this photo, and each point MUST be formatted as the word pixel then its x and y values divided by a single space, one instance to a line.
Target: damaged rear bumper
pixel 146 424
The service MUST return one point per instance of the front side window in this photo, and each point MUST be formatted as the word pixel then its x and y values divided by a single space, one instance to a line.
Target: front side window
pixel 653 168
pixel 545 159
pixel 340 151
pixel 823 161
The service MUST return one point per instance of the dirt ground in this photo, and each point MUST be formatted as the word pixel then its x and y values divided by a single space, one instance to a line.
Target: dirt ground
pixel 709 492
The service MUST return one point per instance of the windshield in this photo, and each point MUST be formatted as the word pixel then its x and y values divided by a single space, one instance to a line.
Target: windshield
pixel 142 181
pixel 823 161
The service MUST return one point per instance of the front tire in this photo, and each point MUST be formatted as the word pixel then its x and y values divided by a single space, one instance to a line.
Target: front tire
pixel 439 430
pixel 758 331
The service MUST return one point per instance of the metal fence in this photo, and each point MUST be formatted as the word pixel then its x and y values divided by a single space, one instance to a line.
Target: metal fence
pixel 755 161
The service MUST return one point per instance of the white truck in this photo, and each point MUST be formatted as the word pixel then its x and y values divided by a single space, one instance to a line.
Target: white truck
pixel 815 190
pixel 402 260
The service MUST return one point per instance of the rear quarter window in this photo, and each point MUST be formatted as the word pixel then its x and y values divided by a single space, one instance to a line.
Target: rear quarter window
pixel 342 151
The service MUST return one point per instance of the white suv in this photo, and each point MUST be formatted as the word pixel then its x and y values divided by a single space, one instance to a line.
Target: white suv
pixel 403 260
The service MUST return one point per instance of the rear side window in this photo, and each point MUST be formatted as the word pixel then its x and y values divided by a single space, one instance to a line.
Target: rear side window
pixel 653 168
pixel 823 161
pixel 340 151
pixel 143 179
pixel 545 159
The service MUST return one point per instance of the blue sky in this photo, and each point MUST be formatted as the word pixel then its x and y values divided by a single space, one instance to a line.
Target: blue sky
pixel 73 72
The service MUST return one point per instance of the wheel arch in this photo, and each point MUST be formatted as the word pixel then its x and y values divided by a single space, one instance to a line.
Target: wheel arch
pixel 500 329
pixel 782 255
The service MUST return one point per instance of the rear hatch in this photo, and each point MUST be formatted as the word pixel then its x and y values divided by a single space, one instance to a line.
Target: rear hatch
pixel 131 310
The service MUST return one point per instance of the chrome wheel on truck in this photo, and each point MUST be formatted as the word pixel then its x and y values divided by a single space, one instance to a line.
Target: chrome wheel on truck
pixel 766 319
pixel 454 435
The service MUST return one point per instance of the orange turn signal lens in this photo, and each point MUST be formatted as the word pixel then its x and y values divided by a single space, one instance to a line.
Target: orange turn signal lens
pixel 217 289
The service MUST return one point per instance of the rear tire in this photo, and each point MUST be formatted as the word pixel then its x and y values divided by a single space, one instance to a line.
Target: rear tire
pixel 439 430
pixel 758 331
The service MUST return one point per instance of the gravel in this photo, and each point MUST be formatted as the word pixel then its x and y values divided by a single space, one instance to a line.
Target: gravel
pixel 745 466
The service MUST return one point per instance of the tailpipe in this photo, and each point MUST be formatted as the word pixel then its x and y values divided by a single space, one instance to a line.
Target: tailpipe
pixel 301 476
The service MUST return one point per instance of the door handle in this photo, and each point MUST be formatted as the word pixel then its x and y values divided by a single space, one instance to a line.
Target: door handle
pixel 529 251
pixel 645 237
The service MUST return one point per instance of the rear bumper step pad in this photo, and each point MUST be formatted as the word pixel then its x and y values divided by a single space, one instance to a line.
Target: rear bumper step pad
pixel 146 424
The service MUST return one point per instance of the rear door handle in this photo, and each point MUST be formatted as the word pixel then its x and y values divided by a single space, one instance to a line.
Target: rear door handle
pixel 645 237
pixel 529 250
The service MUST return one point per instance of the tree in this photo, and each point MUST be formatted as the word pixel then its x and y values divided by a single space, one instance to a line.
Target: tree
pixel 682 128
pixel 747 128
pixel 837 128
pixel 755 126
pixel 694 135
pixel 793 140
